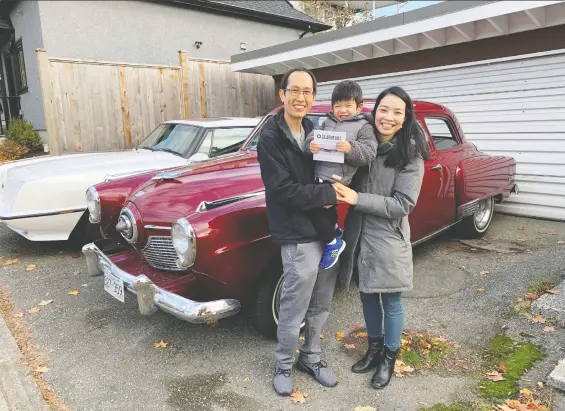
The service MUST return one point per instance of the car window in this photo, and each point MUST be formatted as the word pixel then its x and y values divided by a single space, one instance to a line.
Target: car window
pixel 441 133
pixel 228 140
pixel 170 137
pixel 206 144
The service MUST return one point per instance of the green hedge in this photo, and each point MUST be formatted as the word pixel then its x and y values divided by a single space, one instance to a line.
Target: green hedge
pixel 21 131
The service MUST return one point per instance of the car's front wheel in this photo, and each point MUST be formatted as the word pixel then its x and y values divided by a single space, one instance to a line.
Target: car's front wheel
pixel 477 224
pixel 265 313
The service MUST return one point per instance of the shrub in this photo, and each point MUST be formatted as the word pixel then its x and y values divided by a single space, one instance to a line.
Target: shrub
pixel 10 151
pixel 21 131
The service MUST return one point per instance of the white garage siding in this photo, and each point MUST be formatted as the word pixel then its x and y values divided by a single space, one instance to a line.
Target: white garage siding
pixel 512 106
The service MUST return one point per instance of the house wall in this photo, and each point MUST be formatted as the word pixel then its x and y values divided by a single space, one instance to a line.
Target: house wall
pixel 27 25
pixel 145 32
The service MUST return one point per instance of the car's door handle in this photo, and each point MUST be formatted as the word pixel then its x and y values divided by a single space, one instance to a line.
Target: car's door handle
pixel 437 168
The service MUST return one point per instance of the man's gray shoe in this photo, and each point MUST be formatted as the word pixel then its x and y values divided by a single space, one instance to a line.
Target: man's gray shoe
pixel 319 371
pixel 282 381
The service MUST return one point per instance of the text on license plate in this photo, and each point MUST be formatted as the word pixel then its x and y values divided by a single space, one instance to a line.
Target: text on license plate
pixel 114 286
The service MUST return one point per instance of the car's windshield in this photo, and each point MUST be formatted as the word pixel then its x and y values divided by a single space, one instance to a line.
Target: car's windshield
pixel 172 138
pixel 317 119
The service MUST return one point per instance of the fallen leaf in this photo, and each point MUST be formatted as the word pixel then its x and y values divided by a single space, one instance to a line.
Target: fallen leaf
pixel 213 323
pixel 45 302
pixel 553 291
pixel 160 344
pixel 339 335
pixel 30 267
pixel 526 392
pixel 322 336
pixel 11 262
pixel 521 227
pixel 362 334
pixel 540 384
pixel 301 338
pixel 538 319
pixel 298 396
pixel 76 272
pixel 33 310
pixel 549 329
pixel 349 346
pixel 483 272
pixel 74 292
pixel 501 367
pixel 400 367
pixel 365 408
pixel 42 369
pixel 355 326
pixel 531 296
pixel 480 290
pixel 495 376
pixel 75 255
pixel 1 257
pixel 19 315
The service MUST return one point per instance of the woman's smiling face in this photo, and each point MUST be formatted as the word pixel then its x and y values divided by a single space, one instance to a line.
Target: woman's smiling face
pixel 390 115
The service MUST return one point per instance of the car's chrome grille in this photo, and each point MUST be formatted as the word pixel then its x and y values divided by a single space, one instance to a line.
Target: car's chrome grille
pixel 160 253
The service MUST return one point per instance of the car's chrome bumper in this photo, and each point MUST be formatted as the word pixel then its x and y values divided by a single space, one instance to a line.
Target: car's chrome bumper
pixel 151 297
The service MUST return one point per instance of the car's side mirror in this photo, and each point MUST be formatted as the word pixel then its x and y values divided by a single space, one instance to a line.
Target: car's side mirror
pixel 198 157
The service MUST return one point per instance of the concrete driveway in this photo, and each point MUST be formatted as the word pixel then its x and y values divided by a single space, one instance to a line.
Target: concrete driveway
pixel 100 352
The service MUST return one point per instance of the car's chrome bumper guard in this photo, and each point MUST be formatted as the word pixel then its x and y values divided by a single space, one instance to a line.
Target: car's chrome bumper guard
pixel 150 297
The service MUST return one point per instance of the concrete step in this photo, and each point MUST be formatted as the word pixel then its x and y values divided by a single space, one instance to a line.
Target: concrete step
pixel 18 391
pixel 552 306
pixel 557 377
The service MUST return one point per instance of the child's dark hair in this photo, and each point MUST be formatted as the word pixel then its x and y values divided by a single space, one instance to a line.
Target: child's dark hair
pixel 347 90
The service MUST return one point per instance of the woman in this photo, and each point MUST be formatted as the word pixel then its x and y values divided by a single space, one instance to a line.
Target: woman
pixel 377 232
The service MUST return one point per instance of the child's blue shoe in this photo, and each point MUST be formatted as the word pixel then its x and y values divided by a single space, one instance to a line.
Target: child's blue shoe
pixel 338 231
pixel 331 253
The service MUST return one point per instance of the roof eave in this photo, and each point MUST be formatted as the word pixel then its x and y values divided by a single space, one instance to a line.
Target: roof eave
pixel 238 11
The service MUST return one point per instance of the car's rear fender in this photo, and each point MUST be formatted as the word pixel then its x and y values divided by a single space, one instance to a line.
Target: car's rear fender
pixel 483 176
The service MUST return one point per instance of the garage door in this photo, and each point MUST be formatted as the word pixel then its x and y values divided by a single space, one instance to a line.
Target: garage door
pixel 507 106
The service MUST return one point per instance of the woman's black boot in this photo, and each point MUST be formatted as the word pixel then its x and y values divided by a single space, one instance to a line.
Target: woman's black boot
pixel 384 371
pixel 371 358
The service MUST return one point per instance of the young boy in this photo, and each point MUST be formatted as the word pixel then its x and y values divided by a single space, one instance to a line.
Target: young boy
pixel 359 148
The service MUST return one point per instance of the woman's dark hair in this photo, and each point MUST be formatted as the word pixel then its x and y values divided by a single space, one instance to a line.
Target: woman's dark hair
pixel 347 90
pixel 410 139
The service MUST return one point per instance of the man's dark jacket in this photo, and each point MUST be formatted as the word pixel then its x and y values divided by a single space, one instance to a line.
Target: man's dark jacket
pixel 288 175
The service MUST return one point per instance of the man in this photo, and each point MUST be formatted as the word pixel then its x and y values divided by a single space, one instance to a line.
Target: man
pixel 287 170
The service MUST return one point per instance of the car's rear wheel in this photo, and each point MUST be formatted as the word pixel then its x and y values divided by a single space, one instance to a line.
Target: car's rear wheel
pixel 265 313
pixel 477 224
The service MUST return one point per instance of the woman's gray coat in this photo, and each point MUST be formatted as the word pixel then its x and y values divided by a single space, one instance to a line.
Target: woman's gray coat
pixel 376 232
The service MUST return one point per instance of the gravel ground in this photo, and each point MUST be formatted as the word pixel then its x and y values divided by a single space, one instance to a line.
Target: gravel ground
pixel 100 352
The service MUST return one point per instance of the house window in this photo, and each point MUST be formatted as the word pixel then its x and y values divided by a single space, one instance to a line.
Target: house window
pixel 18 65
pixel 441 133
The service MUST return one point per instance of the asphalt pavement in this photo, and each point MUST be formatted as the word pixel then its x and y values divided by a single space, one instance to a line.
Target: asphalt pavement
pixel 100 354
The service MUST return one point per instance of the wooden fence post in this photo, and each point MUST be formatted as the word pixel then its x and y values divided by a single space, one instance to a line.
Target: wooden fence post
pixel 184 84
pixel 125 107
pixel 47 94
pixel 203 97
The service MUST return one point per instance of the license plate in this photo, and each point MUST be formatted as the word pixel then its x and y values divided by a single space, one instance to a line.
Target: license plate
pixel 114 286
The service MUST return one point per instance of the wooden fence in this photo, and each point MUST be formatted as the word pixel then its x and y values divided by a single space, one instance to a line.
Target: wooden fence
pixel 93 106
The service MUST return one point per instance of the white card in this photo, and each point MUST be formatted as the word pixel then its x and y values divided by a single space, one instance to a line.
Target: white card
pixel 327 141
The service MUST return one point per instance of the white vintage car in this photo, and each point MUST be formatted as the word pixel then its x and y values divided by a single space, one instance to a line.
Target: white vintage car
pixel 43 198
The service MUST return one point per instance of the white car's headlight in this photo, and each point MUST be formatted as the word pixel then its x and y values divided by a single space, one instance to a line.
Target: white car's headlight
pixel 93 204
pixel 184 242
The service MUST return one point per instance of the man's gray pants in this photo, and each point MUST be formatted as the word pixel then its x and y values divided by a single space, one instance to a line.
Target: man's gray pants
pixel 306 295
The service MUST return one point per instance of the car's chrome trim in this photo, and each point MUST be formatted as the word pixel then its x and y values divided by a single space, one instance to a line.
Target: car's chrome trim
pixel 171 175
pixel 151 298
pixel 209 205
pixel 465 210
pixel 111 177
pixel 44 214
pixel 435 233
pixel 156 227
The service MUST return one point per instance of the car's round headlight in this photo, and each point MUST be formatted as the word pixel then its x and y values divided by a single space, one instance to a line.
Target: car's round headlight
pixel 127 226
pixel 184 242
pixel 93 204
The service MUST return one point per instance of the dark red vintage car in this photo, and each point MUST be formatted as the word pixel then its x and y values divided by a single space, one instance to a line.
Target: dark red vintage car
pixel 193 241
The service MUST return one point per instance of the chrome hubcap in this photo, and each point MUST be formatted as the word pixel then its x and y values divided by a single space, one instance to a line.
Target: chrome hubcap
pixel 483 214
